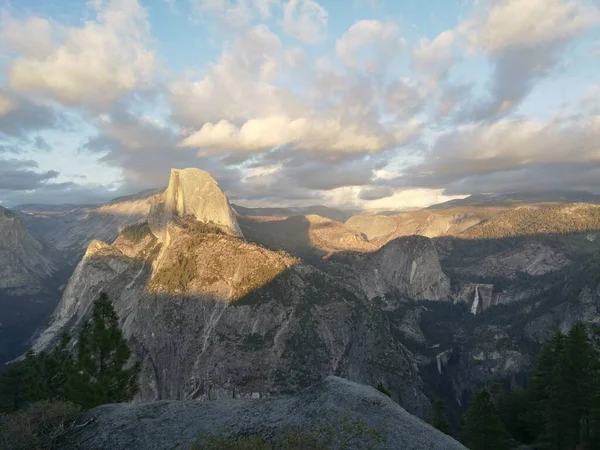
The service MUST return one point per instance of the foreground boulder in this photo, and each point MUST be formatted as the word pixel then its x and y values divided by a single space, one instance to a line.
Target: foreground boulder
pixel 177 424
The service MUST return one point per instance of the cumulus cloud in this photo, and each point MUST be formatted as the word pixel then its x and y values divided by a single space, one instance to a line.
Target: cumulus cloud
pixel 237 108
pixel 23 175
pixel 305 20
pixel 435 58
pixel 365 122
pixel 370 44
pixel 19 116
pixel 93 64
pixel 375 192
pixel 267 133
pixel 524 44
pixel 475 157
pixel 236 87
pixel 514 23
pixel 405 98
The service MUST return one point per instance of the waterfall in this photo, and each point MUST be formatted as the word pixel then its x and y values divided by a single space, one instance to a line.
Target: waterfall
pixel 475 304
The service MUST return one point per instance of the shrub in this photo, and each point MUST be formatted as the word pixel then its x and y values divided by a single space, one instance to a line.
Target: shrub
pixel 178 275
pixel 383 390
pixel 135 233
pixel 345 433
pixel 36 427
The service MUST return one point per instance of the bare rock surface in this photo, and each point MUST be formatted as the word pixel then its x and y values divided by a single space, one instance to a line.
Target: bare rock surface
pixel 177 424
pixel 408 267
pixel 194 193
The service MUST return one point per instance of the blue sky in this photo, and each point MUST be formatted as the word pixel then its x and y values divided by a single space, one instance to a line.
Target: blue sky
pixel 362 103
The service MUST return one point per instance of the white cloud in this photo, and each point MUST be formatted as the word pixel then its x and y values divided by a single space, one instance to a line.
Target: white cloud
pixel 405 98
pixel 32 36
pixel 93 64
pixel 525 42
pixel 306 20
pixel 237 87
pixel 6 105
pixel 517 23
pixel 350 196
pixel 380 40
pixel 435 57
pixel 266 133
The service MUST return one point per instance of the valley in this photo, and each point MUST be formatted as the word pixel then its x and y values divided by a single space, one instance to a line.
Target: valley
pixel 217 305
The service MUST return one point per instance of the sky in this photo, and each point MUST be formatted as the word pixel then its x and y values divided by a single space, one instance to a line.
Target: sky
pixel 348 103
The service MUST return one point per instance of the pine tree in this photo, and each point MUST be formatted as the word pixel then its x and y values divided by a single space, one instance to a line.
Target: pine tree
pixel 13 391
pixel 544 371
pixel 483 429
pixel 39 376
pixel 102 356
pixel 440 417
pixel 580 366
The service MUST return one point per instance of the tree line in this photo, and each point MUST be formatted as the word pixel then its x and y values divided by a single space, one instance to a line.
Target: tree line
pixel 96 373
pixel 558 408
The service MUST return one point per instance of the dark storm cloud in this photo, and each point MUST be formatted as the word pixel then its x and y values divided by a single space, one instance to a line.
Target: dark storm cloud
pixel 24 116
pixel 22 175
pixel 375 192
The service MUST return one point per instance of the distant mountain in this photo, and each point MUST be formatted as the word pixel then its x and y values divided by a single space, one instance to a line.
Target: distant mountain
pixel 218 303
pixel 339 215
pixel 30 274
pixel 24 261
pixel 70 228
pixel 515 198
pixel 310 237
pixel 213 315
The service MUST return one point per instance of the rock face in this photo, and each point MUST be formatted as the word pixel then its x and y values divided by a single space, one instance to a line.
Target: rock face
pixel 70 229
pixel 211 316
pixel 170 424
pixel 24 261
pixel 426 222
pixel 194 193
pixel 310 237
pixel 407 267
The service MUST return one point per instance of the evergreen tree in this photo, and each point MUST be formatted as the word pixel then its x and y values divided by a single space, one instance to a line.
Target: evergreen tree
pixel 102 356
pixel 40 376
pixel 13 391
pixel 544 371
pixel 440 417
pixel 483 429
pixel 580 365
pixel 513 408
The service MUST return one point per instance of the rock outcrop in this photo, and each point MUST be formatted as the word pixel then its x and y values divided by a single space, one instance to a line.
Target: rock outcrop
pixel 381 229
pixel 310 237
pixel 211 316
pixel 405 267
pixel 194 193
pixel 171 424
pixel 70 229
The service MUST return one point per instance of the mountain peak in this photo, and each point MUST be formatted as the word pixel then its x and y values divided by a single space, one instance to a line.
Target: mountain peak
pixel 192 193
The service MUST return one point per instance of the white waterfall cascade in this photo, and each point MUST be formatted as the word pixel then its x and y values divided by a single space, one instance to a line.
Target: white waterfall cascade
pixel 475 304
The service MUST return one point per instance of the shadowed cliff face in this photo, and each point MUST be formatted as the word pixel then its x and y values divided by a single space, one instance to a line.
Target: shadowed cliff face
pixel 308 237
pixel 212 316
pixel 24 262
